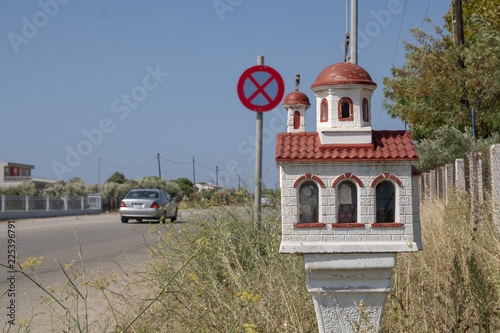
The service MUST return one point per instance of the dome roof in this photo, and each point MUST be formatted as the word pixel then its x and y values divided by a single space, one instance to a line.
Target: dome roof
pixel 296 97
pixel 343 73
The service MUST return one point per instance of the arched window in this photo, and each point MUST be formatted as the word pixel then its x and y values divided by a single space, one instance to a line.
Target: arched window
pixel 385 197
pixel 324 110
pixel 345 109
pixel 308 202
pixel 296 120
pixel 366 111
pixel 348 202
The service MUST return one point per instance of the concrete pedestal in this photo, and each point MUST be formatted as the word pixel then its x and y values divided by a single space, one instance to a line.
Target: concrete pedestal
pixel 340 283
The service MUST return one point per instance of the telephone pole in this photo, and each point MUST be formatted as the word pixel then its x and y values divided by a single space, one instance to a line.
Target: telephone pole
pixel 194 181
pixel 460 22
pixel 159 169
pixel 217 176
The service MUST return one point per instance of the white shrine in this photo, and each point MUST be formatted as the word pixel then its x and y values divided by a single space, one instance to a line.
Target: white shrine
pixel 349 196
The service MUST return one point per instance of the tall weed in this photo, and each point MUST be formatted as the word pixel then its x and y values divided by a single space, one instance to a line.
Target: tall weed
pixel 453 285
pixel 237 281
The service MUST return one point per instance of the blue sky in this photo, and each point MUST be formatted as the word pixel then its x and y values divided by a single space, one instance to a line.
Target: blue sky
pixel 122 81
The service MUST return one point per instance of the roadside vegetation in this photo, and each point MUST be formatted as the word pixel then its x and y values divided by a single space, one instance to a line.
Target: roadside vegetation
pixel 215 271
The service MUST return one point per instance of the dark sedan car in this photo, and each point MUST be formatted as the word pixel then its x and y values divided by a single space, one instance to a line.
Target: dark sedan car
pixel 148 204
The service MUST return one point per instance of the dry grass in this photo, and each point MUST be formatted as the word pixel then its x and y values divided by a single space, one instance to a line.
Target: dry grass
pixel 219 273
pixel 453 285
pixel 236 282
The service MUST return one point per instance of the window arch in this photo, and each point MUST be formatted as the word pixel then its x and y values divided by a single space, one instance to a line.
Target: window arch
pixel 324 110
pixel 296 120
pixel 385 201
pixel 308 202
pixel 366 110
pixel 347 210
pixel 345 109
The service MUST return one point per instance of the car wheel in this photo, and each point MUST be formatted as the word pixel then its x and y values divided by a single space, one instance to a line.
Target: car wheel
pixel 124 220
pixel 174 218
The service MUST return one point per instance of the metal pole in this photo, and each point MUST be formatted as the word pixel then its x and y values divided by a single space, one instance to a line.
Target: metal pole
pixel 354 31
pixel 258 157
pixel 474 124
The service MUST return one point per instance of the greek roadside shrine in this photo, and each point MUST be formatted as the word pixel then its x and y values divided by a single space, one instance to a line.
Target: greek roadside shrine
pixel 349 197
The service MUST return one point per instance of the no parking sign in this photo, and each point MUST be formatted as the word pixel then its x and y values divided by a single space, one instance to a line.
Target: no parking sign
pixel 260 88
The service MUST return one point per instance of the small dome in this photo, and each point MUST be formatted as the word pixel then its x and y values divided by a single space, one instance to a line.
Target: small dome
pixel 296 97
pixel 343 73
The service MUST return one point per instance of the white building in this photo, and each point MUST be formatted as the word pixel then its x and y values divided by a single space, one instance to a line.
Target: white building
pixel 345 187
pixel 14 174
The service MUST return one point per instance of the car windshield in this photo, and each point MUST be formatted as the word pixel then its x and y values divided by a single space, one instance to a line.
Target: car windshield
pixel 143 195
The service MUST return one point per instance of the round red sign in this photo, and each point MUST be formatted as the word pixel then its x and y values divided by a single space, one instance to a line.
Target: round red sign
pixel 260 88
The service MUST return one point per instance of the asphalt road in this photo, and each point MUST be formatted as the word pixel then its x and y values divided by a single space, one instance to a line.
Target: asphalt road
pixel 103 239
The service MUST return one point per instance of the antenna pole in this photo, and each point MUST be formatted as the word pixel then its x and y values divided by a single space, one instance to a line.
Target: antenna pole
pixel 354 31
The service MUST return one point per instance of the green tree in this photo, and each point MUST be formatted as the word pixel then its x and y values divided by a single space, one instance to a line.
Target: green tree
pixel 174 190
pixel 74 187
pixel 117 177
pixel 448 145
pixel 431 90
pixel 185 184
pixel 25 188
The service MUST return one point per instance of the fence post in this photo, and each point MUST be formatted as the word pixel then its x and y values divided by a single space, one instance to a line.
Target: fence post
pixel 65 201
pixel 495 184
pixel 27 203
pixel 47 203
pixel 460 173
pixel 83 202
pixel 3 202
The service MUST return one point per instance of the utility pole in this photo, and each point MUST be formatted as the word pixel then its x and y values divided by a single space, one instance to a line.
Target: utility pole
pixel 354 31
pixel 460 23
pixel 98 175
pixel 159 169
pixel 194 181
pixel 217 176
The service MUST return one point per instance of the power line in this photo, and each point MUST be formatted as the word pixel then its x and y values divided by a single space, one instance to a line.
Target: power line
pixel 122 167
pixel 175 162
pixel 399 34
pixel 204 166
pixel 425 15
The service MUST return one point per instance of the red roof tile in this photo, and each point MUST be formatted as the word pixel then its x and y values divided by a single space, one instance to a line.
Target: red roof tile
pixel 306 146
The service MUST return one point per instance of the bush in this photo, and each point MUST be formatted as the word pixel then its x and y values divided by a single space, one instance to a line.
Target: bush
pixel 447 145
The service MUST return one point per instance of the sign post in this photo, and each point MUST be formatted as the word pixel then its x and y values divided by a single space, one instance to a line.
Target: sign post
pixel 250 92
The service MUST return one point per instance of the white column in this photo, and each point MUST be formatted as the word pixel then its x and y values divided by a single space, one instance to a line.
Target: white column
pixel 27 203
pixel 3 202
pixel 340 283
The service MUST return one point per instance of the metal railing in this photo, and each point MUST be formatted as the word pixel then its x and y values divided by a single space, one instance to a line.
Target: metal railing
pixel 30 203
pixel 16 178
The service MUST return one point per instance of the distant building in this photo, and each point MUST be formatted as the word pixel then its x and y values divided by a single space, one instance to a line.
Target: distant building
pixel 204 186
pixel 15 174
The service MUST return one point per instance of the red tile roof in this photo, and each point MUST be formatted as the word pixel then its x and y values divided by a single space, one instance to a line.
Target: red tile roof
pixel 306 146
